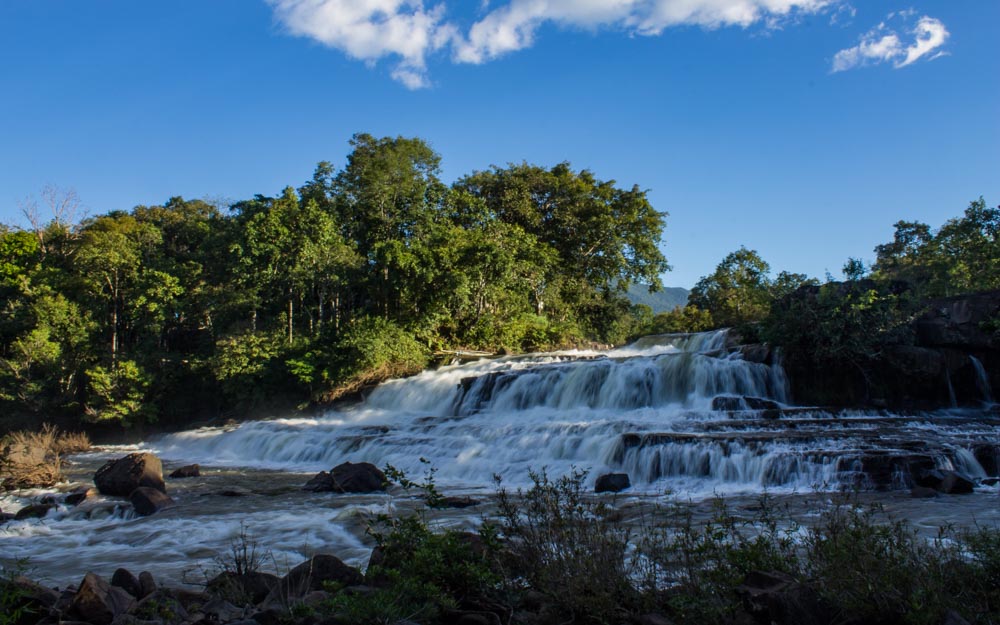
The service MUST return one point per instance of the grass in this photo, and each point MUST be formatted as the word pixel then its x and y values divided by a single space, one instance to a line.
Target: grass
pixel 34 458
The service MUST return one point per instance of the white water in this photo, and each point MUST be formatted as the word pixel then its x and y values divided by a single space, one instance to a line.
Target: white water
pixel 982 380
pixel 645 409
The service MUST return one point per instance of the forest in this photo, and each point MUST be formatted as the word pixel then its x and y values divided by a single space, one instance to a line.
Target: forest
pixel 192 309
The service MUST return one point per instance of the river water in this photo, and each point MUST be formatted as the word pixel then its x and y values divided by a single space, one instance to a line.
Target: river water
pixel 682 414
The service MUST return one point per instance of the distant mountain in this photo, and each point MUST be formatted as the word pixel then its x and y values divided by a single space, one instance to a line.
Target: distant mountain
pixel 663 300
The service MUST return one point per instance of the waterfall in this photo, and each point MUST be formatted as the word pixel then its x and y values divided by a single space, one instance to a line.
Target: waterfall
pixel 982 380
pixel 680 411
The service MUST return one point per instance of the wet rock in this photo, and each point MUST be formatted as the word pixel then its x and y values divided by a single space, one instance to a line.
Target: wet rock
pixel 775 597
pixel 120 477
pixel 34 511
pixel 79 495
pixel 455 502
pixel 190 470
pixel 124 579
pixel 612 483
pixel 250 587
pixel 923 492
pixel 990 481
pixel 311 575
pixel 349 477
pixel 147 501
pixel 756 352
pixel 944 481
pixel 233 492
pixel 730 403
pixel 99 602
pixel 147 585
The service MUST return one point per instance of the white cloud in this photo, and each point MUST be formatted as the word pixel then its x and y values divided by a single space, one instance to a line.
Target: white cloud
pixel 409 31
pixel 883 44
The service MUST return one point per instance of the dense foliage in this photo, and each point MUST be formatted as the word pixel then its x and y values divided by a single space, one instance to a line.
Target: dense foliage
pixel 191 309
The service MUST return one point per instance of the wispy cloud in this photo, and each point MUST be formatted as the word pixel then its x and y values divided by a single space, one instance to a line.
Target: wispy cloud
pixel 410 31
pixel 883 44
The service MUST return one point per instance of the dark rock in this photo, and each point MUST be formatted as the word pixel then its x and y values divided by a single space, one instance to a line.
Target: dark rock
pixel 79 495
pixel 990 481
pixel 120 477
pixel 361 477
pixel 221 611
pixel 31 598
pixel 944 481
pixel 774 597
pixel 311 575
pixel 190 470
pixel 612 483
pixel 253 587
pixel 455 502
pixel 923 492
pixel 124 579
pixel 729 403
pixel 147 585
pixel 233 492
pixel 99 602
pixel 756 352
pixel 34 511
pixel 147 501
pixel 956 484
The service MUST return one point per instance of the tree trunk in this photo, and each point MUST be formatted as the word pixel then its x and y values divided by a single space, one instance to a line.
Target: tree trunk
pixel 291 310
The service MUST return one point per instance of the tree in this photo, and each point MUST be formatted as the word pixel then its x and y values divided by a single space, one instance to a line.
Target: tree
pixel 738 292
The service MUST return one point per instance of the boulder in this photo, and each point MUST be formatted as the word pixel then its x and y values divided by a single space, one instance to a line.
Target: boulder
pixel 120 477
pixel 98 602
pixel 612 483
pixel 776 598
pixel 33 599
pixel 34 511
pixel 945 481
pixel 311 575
pixel 147 501
pixel 190 470
pixel 124 579
pixel 147 585
pixel 349 477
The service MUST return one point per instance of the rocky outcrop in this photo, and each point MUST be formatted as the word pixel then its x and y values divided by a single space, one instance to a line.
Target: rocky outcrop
pixel 147 501
pixel 120 477
pixel 349 477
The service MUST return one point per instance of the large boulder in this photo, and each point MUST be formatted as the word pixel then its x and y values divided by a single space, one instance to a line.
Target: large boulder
pixel 98 602
pixel 124 579
pixel 147 501
pixel 120 477
pixel 944 481
pixel 612 483
pixel 32 599
pixel 311 575
pixel 349 477
pixel 34 511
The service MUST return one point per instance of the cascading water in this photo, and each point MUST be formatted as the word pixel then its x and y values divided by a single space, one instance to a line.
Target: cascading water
pixel 982 381
pixel 686 413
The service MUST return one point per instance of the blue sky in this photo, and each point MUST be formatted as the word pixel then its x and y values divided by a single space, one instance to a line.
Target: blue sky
pixel 800 128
